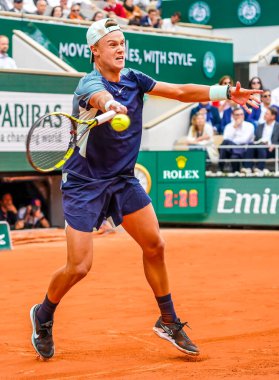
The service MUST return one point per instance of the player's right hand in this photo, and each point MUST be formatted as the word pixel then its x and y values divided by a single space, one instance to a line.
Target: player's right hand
pixel 117 107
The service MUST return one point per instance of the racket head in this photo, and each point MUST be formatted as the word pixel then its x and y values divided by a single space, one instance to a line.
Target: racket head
pixel 51 141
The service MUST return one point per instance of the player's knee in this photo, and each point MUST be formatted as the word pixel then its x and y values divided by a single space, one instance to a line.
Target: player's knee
pixel 155 249
pixel 78 272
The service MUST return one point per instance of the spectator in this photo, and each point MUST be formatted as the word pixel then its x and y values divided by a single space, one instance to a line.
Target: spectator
pixel 171 23
pixel 201 134
pixel 98 16
pixel 256 84
pixel 117 8
pixel 223 105
pixel 17 6
pixel 57 11
pixel 227 116
pixel 266 133
pixel 152 19
pixel 212 115
pixel 159 5
pixel 131 9
pixel 112 15
pixel 142 4
pixel 41 6
pixel 75 12
pixel 6 62
pixel 238 132
pixel 257 115
pixel 136 20
pixel 65 8
pixel 8 211
pixel 275 94
pixel 4 6
pixel 32 216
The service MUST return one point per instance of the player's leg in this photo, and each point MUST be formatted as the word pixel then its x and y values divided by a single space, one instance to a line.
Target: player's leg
pixel 143 226
pixel 79 261
pixel 224 153
pixel 262 155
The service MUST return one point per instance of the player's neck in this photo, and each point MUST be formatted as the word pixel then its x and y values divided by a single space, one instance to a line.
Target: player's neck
pixel 110 75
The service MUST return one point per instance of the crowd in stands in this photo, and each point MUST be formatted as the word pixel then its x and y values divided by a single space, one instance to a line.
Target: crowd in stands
pixel 225 119
pixel 28 216
pixel 235 141
pixel 145 13
pixel 6 62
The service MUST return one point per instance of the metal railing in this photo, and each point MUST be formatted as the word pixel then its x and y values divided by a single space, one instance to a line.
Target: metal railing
pixel 229 160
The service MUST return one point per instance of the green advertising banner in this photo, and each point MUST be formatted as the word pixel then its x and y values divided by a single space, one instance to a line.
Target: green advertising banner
pixel 178 59
pixel 165 58
pixel 181 167
pixel 224 14
pixel 208 201
pixel 177 181
pixel 5 239
pixel 249 201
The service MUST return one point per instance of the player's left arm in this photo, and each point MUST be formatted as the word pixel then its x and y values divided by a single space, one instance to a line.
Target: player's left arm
pixel 201 93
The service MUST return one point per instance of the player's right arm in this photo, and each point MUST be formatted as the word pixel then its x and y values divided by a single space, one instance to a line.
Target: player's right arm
pixel 104 101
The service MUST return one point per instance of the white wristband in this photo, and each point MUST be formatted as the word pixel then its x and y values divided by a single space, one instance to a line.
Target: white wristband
pixel 110 102
pixel 218 92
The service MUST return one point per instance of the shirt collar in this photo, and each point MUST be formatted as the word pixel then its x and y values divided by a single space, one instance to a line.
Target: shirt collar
pixel 270 125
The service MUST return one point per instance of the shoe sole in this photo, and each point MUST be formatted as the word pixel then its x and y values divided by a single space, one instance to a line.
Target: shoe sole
pixel 162 334
pixel 32 317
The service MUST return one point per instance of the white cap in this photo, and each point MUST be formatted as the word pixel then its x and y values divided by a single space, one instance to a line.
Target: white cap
pixel 100 29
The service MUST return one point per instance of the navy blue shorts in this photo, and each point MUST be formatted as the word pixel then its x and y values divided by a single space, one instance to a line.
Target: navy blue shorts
pixel 86 202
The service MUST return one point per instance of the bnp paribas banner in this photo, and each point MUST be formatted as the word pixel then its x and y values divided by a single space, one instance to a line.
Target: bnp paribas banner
pixel 166 58
pixel 225 14
pixel 24 97
pixel 20 110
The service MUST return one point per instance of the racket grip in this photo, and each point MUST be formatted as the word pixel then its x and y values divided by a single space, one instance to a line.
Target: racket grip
pixel 105 117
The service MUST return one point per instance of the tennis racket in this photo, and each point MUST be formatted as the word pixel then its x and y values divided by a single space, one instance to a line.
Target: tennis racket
pixel 51 141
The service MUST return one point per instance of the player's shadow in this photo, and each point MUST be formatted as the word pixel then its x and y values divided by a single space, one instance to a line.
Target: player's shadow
pixel 191 359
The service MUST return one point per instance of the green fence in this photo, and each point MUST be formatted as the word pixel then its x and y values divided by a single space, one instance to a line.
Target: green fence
pixel 166 58
pixel 225 14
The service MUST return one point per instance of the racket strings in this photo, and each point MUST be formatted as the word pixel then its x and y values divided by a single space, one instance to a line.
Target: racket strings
pixel 50 139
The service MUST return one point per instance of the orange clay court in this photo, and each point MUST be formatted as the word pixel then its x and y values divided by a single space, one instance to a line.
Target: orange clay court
pixel 224 283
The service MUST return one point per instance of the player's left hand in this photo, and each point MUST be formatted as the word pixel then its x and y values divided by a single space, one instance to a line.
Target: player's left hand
pixel 243 97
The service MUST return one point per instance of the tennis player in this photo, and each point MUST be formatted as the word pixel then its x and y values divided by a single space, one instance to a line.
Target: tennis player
pixel 98 180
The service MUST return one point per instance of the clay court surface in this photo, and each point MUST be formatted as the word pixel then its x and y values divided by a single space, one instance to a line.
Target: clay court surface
pixel 224 283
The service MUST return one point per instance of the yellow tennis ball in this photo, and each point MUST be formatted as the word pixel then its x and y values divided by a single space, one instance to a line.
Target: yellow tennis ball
pixel 120 122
